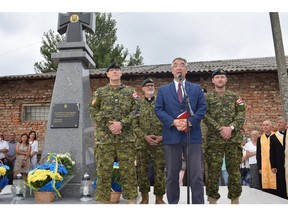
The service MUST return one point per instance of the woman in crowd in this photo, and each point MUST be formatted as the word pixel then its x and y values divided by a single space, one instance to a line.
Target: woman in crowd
pixel 23 150
pixel 34 147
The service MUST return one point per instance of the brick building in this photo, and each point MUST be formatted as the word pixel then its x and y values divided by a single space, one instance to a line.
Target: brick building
pixel 25 99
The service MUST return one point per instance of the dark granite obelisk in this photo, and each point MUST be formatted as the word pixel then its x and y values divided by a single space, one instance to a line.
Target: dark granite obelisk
pixel 70 128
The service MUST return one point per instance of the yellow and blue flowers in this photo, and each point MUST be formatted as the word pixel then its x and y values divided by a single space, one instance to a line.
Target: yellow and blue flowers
pixel 49 175
pixel 3 177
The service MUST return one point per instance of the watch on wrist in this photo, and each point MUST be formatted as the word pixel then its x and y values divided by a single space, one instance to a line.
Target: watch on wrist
pixel 232 127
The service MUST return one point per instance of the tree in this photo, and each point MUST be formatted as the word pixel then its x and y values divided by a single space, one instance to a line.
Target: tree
pixel 102 43
pixel 49 46
pixel 136 59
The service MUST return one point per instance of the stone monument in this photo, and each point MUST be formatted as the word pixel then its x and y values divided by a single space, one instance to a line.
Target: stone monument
pixel 70 128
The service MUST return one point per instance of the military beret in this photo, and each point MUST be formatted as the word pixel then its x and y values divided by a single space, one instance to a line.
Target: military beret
pixel 113 65
pixel 218 72
pixel 148 80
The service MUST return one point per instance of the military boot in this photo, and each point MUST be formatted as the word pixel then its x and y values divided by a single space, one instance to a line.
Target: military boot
pixel 131 201
pixel 212 200
pixel 145 198
pixel 235 200
pixel 159 200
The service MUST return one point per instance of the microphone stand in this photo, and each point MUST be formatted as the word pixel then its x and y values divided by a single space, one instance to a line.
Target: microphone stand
pixel 190 111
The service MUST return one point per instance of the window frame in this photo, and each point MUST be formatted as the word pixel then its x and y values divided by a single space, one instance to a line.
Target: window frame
pixel 36 105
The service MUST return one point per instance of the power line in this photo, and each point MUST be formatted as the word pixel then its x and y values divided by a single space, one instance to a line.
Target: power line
pixel 17 49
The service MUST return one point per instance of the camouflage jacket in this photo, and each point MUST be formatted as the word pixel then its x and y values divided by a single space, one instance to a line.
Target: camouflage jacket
pixel 225 110
pixel 115 104
pixel 148 122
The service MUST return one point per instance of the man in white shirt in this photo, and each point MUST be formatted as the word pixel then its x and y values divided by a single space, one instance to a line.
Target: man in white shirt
pixel 4 147
pixel 250 148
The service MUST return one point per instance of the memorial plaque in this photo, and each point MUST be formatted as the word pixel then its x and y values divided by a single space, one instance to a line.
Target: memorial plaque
pixel 65 115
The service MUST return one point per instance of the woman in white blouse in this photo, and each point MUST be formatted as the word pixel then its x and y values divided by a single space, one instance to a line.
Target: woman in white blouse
pixel 34 147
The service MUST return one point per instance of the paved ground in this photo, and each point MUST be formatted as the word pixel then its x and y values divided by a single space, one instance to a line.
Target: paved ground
pixel 71 207
pixel 249 196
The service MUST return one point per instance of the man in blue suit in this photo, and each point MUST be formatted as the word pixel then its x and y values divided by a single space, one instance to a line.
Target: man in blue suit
pixel 170 103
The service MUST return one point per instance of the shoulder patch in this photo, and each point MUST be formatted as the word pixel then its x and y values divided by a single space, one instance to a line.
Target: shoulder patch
pixel 135 95
pixel 240 101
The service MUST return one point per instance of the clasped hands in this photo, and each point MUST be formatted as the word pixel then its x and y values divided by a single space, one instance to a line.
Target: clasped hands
pixel 115 127
pixel 181 124
pixel 226 132
pixel 153 139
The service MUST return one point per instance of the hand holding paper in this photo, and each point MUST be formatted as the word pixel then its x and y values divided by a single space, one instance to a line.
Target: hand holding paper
pixel 181 122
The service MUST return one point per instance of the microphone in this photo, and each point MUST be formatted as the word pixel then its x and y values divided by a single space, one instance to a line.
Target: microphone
pixel 180 78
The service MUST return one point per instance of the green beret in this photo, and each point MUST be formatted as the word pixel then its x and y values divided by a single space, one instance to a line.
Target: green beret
pixel 113 65
pixel 148 80
pixel 218 72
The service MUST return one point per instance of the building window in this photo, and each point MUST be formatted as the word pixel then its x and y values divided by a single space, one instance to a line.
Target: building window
pixel 35 112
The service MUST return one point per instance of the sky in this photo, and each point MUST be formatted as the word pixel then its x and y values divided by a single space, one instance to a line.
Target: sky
pixel 161 35
pixel 200 31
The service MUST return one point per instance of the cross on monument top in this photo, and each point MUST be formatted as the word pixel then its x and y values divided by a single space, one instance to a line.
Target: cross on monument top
pixel 74 23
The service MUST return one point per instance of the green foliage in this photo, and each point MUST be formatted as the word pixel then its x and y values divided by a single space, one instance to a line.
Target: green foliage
pixel 136 59
pixel 49 46
pixel 102 44
pixel 41 183
pixel 116 176
pixel 68 164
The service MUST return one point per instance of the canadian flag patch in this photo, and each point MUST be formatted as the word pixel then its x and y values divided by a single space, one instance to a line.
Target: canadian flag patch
pixel 240 101
pixel 135 95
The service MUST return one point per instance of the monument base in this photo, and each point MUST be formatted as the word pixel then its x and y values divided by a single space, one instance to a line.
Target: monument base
pixel 72 190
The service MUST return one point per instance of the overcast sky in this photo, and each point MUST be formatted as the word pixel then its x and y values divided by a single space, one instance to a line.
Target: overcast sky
pixel 161 36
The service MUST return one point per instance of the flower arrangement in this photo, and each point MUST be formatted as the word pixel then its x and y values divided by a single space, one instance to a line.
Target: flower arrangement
pixel 50 175
pixel 2 170
pixel 67 161
pixel 3 177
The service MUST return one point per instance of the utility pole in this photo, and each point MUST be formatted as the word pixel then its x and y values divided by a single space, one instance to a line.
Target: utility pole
pixel 280 60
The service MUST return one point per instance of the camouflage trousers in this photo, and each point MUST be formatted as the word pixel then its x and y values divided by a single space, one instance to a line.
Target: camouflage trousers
pixel 126 155
pixel 144 155
pixel 215 150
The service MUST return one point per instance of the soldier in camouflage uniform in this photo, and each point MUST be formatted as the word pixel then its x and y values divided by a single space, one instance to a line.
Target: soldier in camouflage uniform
pixel 149 147
pixel 115 110
pixel 224 117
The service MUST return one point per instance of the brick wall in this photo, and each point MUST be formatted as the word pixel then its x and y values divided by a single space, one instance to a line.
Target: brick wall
pixel 262 96
pixel 260 91
pixel 13 95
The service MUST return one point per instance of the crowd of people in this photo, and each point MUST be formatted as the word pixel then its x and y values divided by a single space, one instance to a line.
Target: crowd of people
pixel 19 154
pixel 163 132
pixel 161 138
